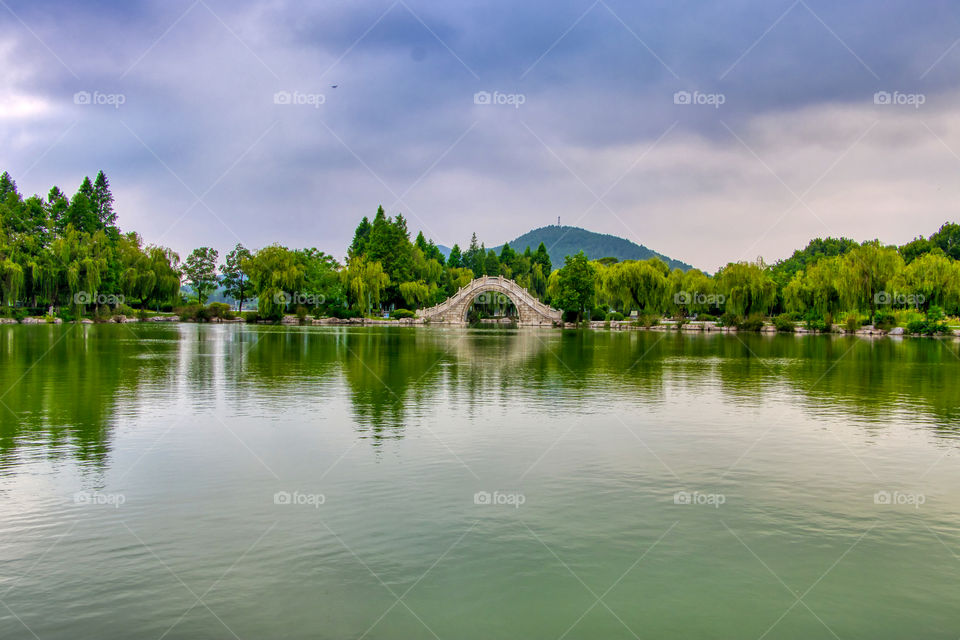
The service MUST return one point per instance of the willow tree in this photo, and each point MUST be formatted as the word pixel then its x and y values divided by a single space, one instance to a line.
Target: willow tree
pixel 275 273
pixel 867 271
pixel 931 279
pixel 747 288
pixel 416 294
pixel 815 289
pixel 365 282
pixel 692 291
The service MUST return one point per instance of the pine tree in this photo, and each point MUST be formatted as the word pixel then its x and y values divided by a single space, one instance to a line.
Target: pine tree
pixel 542 257
pixel 455 260
pixel 7 185
pixel 361 237
pixel 102 201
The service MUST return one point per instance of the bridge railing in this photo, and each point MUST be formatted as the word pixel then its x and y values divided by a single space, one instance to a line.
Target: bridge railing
pixel 524 296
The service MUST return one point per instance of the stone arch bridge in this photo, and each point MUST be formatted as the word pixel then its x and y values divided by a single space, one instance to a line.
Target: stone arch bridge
pixel 454 309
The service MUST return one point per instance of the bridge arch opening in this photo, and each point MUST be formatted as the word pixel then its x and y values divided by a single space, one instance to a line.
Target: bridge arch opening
pixel 491 306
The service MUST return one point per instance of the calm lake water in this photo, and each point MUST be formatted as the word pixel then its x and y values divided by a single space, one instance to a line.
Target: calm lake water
pixel 265 482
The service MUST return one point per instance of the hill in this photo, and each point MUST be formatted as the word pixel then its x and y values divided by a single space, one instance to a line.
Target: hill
pixel 562 241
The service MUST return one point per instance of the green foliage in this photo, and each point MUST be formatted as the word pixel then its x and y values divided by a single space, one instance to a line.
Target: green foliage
pixel 220 310
pixel 784 323
pixel 575 285
pixel 747 288
pixel 885 321
pixel 402 313
pixel 931 324
pixel 200 271
pixel 615 315
pixel 728 320
pixel 753 322
pixel 193 313
pixel 234 277
pixel 251 317
pixel 564 241
pixel 852 323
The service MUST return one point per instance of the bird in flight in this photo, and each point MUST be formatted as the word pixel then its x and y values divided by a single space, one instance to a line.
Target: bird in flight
pixel 334 86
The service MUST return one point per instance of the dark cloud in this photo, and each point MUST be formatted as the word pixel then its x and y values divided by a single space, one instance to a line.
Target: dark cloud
pixel 199 118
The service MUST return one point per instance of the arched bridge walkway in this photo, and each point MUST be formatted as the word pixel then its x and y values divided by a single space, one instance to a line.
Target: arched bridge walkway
pixel 454 309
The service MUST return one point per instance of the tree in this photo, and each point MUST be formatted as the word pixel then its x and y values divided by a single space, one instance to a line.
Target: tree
pixel 867 271
pixel 365 282
pixel 234 275
pixel 275 274
pixel 948 239
pixel 576 282
pixel 491 265
pixel 200 271
pixel 747 287
pixel 102 201
pixel 542 257
pixel 361 237
pixel 455 260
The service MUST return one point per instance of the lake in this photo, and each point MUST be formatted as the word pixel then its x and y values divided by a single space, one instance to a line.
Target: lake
pixel 213 481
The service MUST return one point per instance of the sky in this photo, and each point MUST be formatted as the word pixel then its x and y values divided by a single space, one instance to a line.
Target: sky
pixel 707 131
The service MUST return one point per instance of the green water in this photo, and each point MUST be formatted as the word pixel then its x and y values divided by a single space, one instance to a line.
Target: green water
pixel 140 468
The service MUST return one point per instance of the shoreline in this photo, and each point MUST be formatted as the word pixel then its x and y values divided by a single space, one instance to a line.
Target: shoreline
pixel 665 326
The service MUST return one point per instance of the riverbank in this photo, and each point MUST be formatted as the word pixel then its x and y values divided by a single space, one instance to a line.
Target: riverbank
pixel 596 325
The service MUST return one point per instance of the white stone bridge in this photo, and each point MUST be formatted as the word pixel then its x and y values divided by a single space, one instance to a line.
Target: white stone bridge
pixel 454 309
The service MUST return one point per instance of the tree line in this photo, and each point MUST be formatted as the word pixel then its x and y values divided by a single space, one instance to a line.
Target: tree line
pixel 69 254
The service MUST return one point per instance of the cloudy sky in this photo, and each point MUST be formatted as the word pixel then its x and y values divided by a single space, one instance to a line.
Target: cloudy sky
pixel 707 131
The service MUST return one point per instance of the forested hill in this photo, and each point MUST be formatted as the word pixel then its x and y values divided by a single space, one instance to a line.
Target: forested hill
pixel 564 241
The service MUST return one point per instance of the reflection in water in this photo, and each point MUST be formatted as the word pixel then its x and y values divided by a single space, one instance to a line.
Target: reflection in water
pixel 64 388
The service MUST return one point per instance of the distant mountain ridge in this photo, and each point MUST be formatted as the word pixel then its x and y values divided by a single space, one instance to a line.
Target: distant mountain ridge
pixel 562 241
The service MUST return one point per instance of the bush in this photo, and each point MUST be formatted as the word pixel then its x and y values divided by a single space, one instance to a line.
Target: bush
pixel 648 320
pixel 342 313
pixel 66 315
pixel 570 316
pixel 301 314
pixel 706 317
pixel 402 313
pixel 884 321
pixel 729 320
pixel 220 310
pixel 251 317
pixel 193 313
pixel 597 313
pixel 814 322
pixel 614 315
pixel 930 325
pixel 124 310
pixel 784 323
pixel 753 322
pixel 103 313
pixel 852 323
